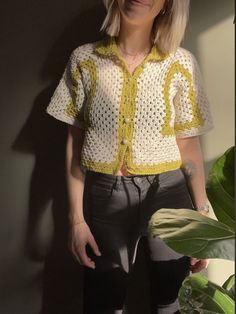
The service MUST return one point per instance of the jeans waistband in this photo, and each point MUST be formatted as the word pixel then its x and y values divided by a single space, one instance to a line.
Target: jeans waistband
pixel 118 178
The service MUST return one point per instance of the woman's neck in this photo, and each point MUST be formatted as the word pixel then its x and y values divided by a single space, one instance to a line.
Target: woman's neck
pixel 134 38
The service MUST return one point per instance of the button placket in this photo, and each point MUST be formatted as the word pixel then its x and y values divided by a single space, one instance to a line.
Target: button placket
pixel 126 119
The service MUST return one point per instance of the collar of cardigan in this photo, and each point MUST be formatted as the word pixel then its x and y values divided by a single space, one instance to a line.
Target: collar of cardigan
pixel 107 47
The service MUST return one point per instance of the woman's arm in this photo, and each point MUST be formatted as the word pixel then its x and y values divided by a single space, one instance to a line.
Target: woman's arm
pixel 80 234
pixel 193 167
pixel 74 175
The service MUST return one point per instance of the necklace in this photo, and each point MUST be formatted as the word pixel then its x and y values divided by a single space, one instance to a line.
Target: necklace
pixel 135 57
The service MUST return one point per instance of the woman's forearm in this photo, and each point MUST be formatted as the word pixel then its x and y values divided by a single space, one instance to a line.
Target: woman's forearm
pixel 74 174
pixel 193 167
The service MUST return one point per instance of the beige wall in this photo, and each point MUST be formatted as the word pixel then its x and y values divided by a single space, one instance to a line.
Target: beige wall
pixel 213 45
pixel 216 52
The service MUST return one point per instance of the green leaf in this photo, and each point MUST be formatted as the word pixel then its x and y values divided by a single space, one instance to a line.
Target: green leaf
pixel 191 233
pixel 199 295
pixel 220 187
pixel 229 285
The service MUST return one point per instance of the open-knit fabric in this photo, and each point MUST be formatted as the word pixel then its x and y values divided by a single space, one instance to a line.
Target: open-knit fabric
pixel 131 119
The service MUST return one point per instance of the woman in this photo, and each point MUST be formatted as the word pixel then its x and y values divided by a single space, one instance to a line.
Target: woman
pixel 135 108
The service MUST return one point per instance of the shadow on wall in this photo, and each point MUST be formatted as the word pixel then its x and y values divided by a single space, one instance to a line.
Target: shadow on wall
pixel 45 137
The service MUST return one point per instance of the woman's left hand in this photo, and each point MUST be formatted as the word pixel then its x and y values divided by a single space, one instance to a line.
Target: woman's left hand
pixel 197 265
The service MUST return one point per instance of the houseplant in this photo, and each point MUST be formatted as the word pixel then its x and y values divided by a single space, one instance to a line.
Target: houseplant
pixel 190 233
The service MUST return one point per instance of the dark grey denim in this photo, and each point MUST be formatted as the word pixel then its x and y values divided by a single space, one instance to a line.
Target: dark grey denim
pixel 117 209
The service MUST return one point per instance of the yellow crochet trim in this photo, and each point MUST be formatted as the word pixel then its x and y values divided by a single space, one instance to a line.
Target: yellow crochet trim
pixel 197 119
pixel 123 130
pixel 127 109
pixel 141 169
pixel 155 169
pixel 76 76
pixel 90 66
pixel 134 89
pixel 103 167
pixel 71 109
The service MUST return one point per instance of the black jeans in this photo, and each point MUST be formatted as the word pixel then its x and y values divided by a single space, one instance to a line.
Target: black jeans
pixel 117 209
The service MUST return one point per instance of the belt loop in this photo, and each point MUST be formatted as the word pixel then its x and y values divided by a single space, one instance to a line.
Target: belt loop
pixel 117 182
pixel 152 178
pixel 148 179
pixel 156 179
pixel 135 180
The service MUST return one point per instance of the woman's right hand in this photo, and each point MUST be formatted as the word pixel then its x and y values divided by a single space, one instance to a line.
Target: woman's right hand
pixel 80 236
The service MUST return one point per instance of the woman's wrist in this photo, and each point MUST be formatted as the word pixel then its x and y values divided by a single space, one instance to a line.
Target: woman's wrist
pixel 79 222
pixel 76 218
pixel 203 208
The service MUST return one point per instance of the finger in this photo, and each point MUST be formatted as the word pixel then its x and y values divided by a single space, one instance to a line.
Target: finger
pixel 197 269
pixel 77 254
pixel 193 260
pixel 202 264
pixel 94 246
pixel 85 259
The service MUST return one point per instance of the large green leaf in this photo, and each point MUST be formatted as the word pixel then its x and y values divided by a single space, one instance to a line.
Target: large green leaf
pixel 199 295
pixel 220 187
pixel 229 285
pixel 191 233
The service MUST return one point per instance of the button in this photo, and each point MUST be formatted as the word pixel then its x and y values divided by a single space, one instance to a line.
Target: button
pixel 124 141
pixel 126 120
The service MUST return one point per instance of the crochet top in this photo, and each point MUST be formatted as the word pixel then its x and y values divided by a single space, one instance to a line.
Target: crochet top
pixel 131 119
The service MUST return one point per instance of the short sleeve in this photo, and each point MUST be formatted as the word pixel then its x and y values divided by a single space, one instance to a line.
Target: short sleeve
pixel 192 110
pixel 67 101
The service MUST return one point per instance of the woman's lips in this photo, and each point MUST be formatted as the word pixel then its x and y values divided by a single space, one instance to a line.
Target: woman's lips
pixel 139 2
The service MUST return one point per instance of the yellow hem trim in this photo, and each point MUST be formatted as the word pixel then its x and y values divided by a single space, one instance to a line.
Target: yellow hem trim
pixel 135 169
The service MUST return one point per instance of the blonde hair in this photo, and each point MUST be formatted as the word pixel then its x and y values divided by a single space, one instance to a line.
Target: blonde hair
pixel 168 26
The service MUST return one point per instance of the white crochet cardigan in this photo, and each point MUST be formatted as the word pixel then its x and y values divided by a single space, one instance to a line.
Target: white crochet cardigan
pixel 131 119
